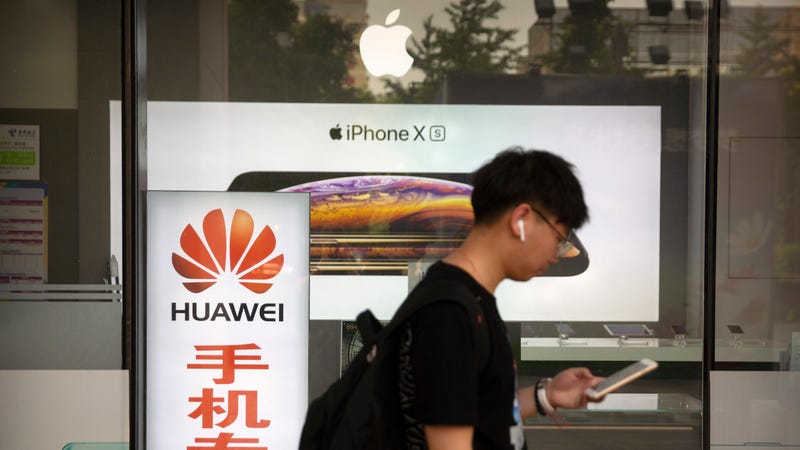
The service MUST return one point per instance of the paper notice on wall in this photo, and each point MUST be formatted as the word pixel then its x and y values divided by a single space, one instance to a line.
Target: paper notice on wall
pixel 23 233
pixel 19 152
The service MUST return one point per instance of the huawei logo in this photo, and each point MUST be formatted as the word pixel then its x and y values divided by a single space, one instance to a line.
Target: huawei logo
pixel 218 255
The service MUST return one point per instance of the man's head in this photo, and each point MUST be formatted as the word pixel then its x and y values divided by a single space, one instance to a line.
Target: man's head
pixel 526 202
pixel 537 177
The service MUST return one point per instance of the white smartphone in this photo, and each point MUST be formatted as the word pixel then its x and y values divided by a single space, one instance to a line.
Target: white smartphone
pixel 621 378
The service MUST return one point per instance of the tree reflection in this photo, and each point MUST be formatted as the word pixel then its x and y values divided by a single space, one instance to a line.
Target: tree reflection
pixel 470 44
pixel 764 52
pixel 275 57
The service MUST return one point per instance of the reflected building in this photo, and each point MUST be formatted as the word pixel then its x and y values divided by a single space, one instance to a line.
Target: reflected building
pixel 660 40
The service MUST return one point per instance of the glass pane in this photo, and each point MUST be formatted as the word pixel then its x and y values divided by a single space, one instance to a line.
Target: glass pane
pixel 56 230
pixel 758 264
pixel 355 101
pixel 60 297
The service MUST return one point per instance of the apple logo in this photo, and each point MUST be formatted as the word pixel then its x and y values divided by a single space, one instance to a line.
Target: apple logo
pixel 336 132
pixel 383 49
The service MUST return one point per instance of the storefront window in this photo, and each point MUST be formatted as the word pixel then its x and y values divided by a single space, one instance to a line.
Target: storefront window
pixel 61 327
pixel 374 114
pixel 756 320
pixel 302 97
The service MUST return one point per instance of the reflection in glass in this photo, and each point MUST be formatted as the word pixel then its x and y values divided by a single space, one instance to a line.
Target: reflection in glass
pixel 758 224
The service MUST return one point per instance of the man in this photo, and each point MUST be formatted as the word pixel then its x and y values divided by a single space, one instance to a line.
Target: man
pixel 526 204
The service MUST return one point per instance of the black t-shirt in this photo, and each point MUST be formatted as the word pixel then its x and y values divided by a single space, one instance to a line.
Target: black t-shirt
pixel 440 383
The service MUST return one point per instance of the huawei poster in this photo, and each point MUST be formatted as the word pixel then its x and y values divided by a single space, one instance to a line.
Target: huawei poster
pixel 227 319
pixel 389 187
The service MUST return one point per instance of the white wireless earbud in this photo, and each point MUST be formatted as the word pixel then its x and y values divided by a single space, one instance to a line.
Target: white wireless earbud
pixel 521 225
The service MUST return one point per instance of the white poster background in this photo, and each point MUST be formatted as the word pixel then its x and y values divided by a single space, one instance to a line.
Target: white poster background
pixel 616 151
pixel 282 388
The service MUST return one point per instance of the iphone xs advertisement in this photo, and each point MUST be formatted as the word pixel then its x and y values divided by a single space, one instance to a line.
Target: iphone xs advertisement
pixel 389 187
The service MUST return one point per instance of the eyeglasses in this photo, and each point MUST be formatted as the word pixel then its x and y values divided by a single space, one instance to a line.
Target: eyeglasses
pixel 566 249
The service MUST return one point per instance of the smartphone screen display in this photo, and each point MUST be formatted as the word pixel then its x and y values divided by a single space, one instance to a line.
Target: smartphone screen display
pixel 735 329
pixel 627 329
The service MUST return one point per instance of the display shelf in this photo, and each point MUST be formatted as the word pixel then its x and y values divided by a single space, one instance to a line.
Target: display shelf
pixel 613 349
pixel 607 349
pixel 755 446
pixel 665 403
pixel 632 411
pixel 748 351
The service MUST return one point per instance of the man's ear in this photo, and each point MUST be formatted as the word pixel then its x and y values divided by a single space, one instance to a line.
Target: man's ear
pixel 517 221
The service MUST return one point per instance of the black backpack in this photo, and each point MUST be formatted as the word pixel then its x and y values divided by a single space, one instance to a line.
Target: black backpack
pixel 361 410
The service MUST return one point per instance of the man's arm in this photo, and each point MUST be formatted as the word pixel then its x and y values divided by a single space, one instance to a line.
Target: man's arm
pixel 565 390
pixel 527 405
pixel 449 437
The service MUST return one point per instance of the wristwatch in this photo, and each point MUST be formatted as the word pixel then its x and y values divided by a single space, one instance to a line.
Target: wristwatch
pixel 543 406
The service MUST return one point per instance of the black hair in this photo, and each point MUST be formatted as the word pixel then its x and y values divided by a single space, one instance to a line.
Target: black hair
pixel 517 175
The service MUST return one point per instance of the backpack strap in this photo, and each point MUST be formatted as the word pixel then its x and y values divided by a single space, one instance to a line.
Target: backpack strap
pixel 427 293
pixel 368 326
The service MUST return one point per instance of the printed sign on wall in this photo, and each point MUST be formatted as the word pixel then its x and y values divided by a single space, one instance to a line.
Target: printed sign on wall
pixel 19 152
pixel 227 319
pixel 23 232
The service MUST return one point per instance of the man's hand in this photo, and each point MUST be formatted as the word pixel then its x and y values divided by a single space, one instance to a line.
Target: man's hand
pixel 568 388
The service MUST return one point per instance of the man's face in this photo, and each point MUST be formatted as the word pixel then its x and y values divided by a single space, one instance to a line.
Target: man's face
pixel 544 240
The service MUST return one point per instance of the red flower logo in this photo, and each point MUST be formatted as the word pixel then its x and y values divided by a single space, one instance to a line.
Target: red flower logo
pixel 238 254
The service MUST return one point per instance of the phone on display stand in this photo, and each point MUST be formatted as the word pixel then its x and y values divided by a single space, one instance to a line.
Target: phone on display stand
pixel 735 329
pixel 564 330
pixel 621 378
pixel 679 330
